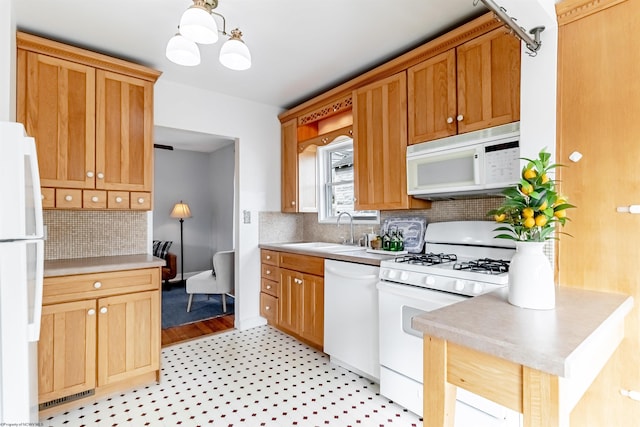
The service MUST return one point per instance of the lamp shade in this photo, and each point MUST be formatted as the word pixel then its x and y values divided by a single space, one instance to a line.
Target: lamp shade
pixel 198 25
pixel 234 54
pixel 181 210
pixel 182 51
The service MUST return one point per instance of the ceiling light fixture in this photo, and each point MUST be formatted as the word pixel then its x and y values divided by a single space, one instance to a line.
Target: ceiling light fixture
pixel 197 25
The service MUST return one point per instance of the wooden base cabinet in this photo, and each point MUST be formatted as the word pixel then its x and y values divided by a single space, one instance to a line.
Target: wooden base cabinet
pixel 301 306
pixel 292 294
pixel 98 331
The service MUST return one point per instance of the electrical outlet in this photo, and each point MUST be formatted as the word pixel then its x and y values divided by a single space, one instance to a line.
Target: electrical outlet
pixel 246 217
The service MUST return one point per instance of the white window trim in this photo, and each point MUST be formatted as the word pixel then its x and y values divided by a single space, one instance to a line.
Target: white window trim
pixel 321 180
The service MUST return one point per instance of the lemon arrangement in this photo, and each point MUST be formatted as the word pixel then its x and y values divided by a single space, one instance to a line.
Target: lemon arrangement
pixel 532 209
pixel 529 214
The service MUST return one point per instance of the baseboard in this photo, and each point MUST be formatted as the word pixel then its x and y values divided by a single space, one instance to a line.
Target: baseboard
pixel 252 322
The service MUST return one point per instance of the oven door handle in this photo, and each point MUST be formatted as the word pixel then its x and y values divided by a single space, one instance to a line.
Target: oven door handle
pixel 350 276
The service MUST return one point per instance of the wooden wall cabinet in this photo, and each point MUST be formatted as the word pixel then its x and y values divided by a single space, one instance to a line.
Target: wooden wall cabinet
pixel 379 145
pixel 98 331
pixel 92 120
pixel 473 86
pixel 289 166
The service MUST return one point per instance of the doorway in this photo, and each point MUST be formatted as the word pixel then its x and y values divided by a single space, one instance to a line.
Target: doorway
pixel 199 170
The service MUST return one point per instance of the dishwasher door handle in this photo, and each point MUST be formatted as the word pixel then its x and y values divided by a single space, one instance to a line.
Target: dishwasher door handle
pixel 350 276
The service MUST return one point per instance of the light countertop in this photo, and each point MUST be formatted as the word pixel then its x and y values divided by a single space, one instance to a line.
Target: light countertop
pixel 553 341
pixel 359 256
pixel 66 267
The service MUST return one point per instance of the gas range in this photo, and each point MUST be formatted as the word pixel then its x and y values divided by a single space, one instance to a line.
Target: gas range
pixel 460 257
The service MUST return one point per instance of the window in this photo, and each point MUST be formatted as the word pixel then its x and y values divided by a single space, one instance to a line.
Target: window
pixel 335 181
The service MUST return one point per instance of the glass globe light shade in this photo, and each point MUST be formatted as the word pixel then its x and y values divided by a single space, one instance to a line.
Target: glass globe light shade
pixel 198 25
pixel 234 54
pixel 182 51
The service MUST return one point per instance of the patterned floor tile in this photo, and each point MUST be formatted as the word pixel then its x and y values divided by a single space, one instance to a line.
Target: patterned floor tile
pixel 253 378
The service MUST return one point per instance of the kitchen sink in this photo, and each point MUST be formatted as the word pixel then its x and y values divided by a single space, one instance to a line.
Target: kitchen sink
pixel 324 247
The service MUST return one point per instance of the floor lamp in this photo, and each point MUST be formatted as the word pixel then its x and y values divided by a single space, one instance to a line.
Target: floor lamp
pixel 181 211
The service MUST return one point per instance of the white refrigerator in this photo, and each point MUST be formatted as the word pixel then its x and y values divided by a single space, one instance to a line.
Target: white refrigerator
pixel 21 275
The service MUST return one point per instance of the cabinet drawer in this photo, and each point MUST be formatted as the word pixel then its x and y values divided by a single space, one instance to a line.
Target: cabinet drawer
pixel 94 199
pixel 303 263
pixel 269 257
pixel 269 308
pixel 270 272
pixel 118 200
pixel 140 201
pixel 48 197
pixel 84 286
pixel 269 286
pixel 68 198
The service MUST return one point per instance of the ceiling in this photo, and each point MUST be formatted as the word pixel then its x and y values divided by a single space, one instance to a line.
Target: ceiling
pixel 299 48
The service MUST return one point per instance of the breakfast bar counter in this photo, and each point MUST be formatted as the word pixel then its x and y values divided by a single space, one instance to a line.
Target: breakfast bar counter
pixel 536 362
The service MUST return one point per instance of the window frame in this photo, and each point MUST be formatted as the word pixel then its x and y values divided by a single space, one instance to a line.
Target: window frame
pixel 324 184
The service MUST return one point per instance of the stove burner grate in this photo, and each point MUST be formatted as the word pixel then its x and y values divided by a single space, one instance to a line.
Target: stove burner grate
pixel 427 259
pixel 484 265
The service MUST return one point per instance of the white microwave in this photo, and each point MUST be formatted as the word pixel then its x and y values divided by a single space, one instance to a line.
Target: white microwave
pixel 471 164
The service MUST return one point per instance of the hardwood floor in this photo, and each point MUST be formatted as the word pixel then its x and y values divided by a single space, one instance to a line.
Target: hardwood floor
pixel 193 330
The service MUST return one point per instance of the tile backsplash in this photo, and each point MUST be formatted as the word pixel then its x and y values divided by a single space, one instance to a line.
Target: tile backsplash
pixel 276 227
pixel 81 234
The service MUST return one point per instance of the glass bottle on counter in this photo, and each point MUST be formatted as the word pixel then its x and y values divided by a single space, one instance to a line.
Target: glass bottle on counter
pixel 386 241
pixel 395 241
pixel 400 241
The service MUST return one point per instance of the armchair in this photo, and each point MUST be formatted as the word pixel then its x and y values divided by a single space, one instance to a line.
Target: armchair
pixel 220 280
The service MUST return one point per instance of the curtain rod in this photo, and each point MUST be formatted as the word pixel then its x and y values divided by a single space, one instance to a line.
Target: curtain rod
pixel 533 44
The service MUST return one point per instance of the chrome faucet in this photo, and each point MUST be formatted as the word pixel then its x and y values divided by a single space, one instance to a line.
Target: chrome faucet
pixel 350 224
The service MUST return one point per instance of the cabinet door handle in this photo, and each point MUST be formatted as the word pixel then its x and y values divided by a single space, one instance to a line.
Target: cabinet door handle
pixel 94 199
pixel 449 120
pixel 97 285
pixel 91 312
pixel 268 272
pixel 103 310
pixel 100 175
pixel 268 256
pixel 460 117
pixel 293 203
pixel 118 199
pixel 140 200
pixel 68 198
pixel 89 174
pixel 267 308
pixel 632 209
pixel 268 286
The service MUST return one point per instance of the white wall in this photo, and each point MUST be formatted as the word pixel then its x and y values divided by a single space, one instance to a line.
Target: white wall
pixel 257 130
pixel 538 76
pixel 222 188
pixel 7 67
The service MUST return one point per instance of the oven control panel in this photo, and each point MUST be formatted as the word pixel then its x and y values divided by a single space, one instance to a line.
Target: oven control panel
pixel 468 287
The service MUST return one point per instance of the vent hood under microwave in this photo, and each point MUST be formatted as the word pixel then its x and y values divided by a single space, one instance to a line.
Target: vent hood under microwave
pixel 473 164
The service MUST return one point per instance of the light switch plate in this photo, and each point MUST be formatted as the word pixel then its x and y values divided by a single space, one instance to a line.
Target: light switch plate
pixel 246 217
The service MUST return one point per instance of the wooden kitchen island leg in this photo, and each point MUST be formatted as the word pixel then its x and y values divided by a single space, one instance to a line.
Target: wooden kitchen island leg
pixel 439 400
pixel 533 393
pixel 541 400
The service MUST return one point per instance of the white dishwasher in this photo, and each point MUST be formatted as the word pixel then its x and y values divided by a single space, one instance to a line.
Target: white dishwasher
pixel 351 317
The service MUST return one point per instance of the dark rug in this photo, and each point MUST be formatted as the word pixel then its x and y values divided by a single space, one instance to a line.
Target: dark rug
pixel 174 307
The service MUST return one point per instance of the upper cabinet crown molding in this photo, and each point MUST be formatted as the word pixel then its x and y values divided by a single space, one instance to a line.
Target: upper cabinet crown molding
pixel 572 10
pixel 453 38
pixel 78 55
